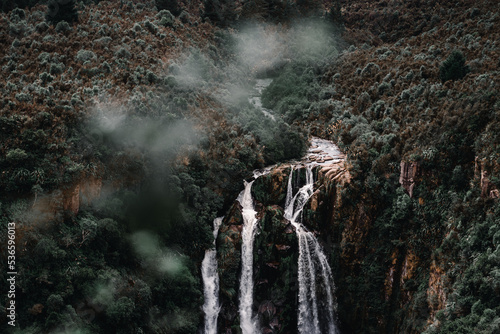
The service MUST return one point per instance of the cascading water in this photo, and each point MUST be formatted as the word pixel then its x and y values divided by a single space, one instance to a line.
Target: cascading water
pixel 210 277
pixel 316 303
pixel 248 322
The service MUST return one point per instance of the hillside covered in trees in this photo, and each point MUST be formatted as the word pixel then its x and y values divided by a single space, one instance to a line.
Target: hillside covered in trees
pixel 126 129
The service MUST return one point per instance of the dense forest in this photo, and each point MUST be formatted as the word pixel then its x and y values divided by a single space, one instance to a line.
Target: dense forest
pixel 126 128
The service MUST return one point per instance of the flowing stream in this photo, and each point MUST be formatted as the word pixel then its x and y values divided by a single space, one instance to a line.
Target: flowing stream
pixel 256 100
pixel 316 301
pixel 210 277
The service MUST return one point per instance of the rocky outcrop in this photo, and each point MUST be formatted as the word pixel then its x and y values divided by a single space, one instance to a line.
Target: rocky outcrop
pixel 70 199
pixel 408 177
pixel 436 293
pixel 482 170
pixel 271 188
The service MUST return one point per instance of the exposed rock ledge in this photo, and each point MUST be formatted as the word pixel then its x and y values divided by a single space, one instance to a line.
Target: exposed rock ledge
pixel 408 177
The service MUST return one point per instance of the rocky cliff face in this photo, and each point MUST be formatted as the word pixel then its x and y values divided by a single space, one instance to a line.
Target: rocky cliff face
pixel 397 279
pixel 408 177
pixel 276 245
pixel 482 170
pixel 71 198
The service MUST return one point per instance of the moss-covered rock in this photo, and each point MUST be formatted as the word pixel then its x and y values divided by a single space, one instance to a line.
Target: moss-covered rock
pixel 270 189
pixel 275 260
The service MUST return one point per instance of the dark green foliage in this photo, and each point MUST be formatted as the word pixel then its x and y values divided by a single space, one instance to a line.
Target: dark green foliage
pixel 476 297
pixel 61 10
pixel 453 68
pixel 171 5
pixel 220 12
pixel 308 7
pixel 280 140
pixel 8 5
pixel 291 92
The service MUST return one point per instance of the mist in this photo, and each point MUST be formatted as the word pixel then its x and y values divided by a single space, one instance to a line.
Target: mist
pixel 154 257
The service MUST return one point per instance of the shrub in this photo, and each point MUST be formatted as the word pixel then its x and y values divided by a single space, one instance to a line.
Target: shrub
pixel 85 55
pixel 45 77
pixel 220 12
pixel 18 29
pixel 122 52
pixel 171 5
pixel 151 27
pixel 16 155
pixel 23 97
pixel 61 10
pixel 42 27
pixel 62 27
pixel 56 69
pixel 453 68
pixel 165 18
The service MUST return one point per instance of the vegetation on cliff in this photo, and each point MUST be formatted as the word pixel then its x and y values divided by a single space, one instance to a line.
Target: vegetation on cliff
pixel 411 106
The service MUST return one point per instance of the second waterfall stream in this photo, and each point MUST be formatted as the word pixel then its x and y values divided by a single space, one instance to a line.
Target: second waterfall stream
pixel 316 300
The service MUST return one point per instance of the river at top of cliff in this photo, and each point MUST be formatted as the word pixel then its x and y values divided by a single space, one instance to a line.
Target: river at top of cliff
pixel 321 151
pixel 256 100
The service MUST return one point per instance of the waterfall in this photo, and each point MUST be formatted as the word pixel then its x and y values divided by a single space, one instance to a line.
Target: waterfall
pixel 316 302
pixel 247 321
pixel 210 277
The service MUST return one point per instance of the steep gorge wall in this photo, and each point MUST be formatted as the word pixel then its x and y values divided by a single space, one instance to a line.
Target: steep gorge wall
pixel 390 288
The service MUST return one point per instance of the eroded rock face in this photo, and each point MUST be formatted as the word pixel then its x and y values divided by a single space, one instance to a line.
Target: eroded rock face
pixel 436 293
pixel 275 249
pixel 70 199
pixel 228 259
pixel 271 188
pixel 275 262
pixel 482 171
pixel 408 177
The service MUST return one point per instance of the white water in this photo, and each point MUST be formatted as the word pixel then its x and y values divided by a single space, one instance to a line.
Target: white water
pixel 210 277
pixel 256 99
pixel 316 313
pixel 323 152
pixel 248 322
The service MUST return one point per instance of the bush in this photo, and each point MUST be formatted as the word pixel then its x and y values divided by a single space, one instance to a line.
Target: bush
pixel 165 18
pixel 220 12
pixel 16 155
pixel 171 5
pixel 453 68
pixel 56 69
pixel 23 97
pixel 61 10
pixel 41 27
pixel 85 55
pixel 62 27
